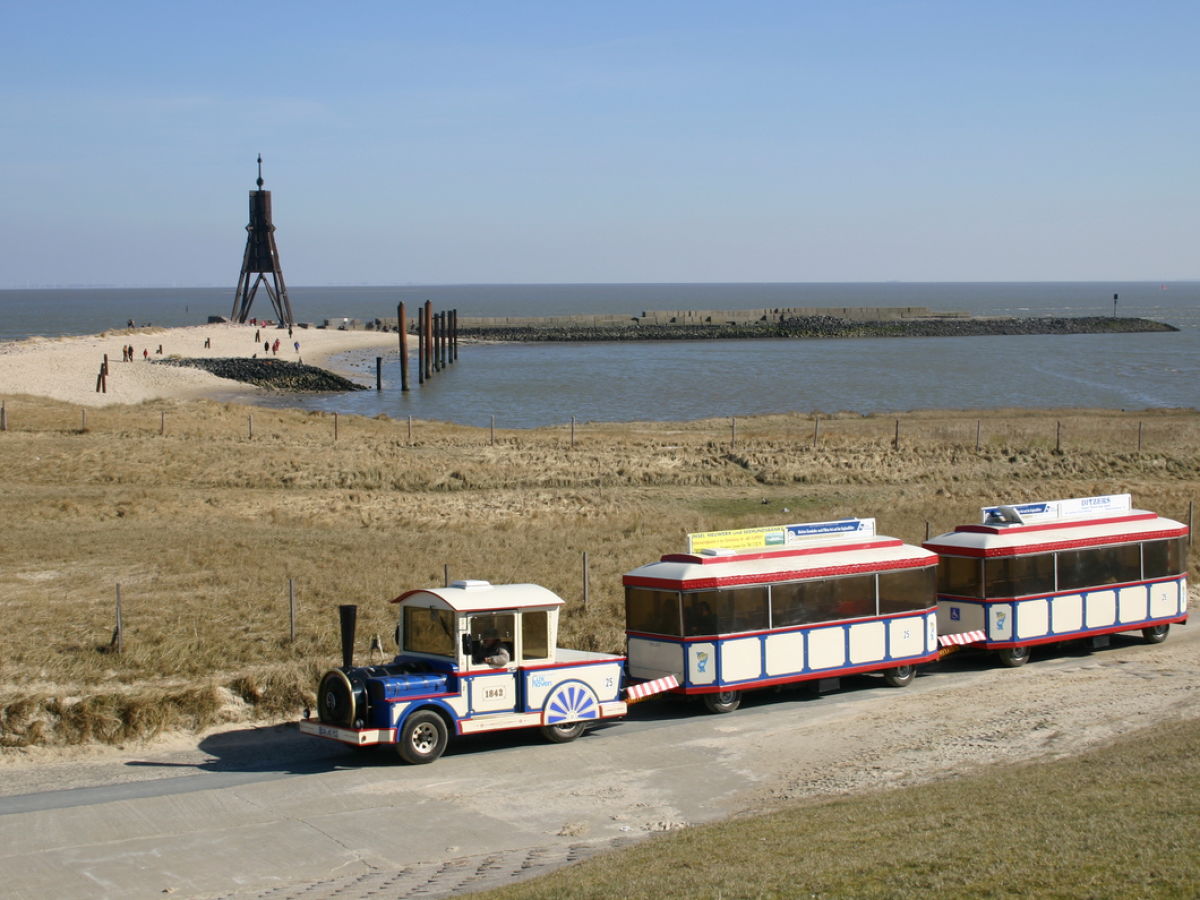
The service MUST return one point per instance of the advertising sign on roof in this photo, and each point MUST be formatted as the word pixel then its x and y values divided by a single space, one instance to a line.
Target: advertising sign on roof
pixel 1076 507
pixel 777 535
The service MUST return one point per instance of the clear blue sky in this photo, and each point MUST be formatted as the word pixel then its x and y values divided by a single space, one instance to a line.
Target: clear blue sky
pixel 454 142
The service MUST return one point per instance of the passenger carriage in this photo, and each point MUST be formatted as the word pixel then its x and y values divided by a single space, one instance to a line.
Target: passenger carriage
pixel 1039 573
pixel 769 606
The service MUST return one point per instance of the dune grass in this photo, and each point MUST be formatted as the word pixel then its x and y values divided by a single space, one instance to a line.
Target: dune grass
pixel 202 526
pixel 1117 822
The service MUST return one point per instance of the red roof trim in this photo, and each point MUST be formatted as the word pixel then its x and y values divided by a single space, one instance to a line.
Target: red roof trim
pixel 1047 547
pixel 1048 526
pixel 704 560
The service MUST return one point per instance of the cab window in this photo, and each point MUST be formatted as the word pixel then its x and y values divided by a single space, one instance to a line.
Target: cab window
pixel 535 634
pixel 490 631
pixel 428 630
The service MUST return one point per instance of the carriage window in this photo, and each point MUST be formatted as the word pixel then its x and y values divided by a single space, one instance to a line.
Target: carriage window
pixel 797 604
pixel 1162 558
pixel 652 612
pixel 852 597
pixel 959 576
pixel 906 589
pixel 1019 576
pixel 428 630
pixel 1099 565
pixel 725 611
pixel 535 634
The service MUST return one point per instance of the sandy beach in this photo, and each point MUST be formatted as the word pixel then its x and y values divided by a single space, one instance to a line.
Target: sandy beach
pixel 66 368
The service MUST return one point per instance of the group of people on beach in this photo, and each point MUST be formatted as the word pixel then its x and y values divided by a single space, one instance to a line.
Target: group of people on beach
pixel 127 352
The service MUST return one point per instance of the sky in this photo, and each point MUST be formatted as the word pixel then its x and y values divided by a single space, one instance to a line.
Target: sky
pixel 570 142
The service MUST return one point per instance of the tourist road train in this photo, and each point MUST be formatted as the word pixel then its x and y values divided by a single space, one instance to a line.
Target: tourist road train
pixel 759 607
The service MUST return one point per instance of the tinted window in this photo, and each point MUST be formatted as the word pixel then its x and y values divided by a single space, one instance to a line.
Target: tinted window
pixel 959 576
pixel 1162 558
pixel 906 589
pixel 725 611
pixel 1019 576
pixel 1099 565
pixel 652 612
pixel 429 630
pixel 535 634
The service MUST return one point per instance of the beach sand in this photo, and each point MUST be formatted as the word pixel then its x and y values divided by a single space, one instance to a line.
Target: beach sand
pixel 66 368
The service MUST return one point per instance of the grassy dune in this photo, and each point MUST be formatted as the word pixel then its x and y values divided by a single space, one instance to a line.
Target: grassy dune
pixel 203 524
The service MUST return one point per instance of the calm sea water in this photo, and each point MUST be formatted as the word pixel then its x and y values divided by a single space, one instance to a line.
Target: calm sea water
pixel 542 384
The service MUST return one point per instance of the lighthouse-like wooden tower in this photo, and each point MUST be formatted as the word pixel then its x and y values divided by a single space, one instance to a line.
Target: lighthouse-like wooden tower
pixel 261 259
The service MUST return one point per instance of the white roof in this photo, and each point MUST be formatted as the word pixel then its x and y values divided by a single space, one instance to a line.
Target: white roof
pixel 698 571
pixel 1010 540
pixel 481 596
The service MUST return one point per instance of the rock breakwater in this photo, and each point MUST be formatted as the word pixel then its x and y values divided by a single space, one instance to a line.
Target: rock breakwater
pixel 272 374
pixel 821 327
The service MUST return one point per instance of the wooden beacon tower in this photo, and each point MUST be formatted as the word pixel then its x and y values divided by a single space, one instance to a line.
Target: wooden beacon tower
pixel 261 259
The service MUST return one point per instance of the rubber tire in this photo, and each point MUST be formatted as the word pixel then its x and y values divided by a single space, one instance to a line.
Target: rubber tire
pixel 565 733
pixel 723 702
pixel 423 738
pixel 1012 657
pixel 901 676
pixel 1155 634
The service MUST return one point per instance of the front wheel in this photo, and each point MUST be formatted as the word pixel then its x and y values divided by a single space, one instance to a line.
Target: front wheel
pixel 1011 657
pixel 723 702
pixel 423 738
pixel 900 676
pixel 1155 634
pixel 562 734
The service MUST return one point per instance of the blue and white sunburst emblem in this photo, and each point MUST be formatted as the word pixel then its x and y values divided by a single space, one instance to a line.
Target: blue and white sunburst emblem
pixel 571 703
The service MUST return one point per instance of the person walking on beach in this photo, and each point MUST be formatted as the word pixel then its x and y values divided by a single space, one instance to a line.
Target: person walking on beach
pixel 146 354
pixel 256 336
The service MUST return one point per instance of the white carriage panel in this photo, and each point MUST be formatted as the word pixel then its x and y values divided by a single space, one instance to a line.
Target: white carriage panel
pixel 955 617
pixel 653 659
pixel 785 653
pixel 906 637
pixel 867 642
pixel 1101 609
pixel 826 648
pixel 603 680
pixel 493 693
pixel 999 622
pixel 1133 604
pixel 1066 613
pixel 500 722
pixel 1164 599
pixel 701 663
pixel 741 659
pixel 1033 618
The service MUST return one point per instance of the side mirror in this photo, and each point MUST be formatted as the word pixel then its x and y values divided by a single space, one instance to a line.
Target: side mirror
pixel 468 645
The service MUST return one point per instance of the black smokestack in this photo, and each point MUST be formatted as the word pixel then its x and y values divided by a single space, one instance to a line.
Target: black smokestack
pixel 349 618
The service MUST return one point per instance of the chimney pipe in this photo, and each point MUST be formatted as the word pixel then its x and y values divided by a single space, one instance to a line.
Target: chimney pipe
pixel 349 618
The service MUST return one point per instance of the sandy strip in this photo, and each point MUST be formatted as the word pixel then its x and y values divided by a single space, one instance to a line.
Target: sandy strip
pixel 66 368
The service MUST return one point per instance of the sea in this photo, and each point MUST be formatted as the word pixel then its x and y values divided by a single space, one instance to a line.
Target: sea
pixel 544 384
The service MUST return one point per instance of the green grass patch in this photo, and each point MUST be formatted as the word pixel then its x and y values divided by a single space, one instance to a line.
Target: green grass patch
pixel 1121 821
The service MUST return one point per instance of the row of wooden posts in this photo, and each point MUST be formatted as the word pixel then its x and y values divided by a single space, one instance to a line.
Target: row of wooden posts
pixel 733 432
pixel 437 344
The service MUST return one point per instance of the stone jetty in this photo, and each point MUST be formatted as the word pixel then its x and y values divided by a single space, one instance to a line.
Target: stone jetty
pixel 273 374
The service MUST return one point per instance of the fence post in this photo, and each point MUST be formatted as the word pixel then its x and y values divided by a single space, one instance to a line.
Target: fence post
pixel 3 416
pixel 896 439
pixel 292 610
pixel 1140 424
pixel 162 422
pixel 492 432
pixel 335 426
pixel 732 432
pixel 445 574
pixel 572 432
pixel 83 420
pixel 1058 437
pixel 816 430
pixel 926 529
pixel 586 581
pixel 978 426
pixel 119 632
pixel 1191 530
pixel 250 426
pixel 410 429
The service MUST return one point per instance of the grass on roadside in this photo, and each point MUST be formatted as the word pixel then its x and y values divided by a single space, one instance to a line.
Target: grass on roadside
pixel 1117 822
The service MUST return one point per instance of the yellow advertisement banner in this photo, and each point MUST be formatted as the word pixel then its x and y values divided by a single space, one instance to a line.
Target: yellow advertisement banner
pixel 738 539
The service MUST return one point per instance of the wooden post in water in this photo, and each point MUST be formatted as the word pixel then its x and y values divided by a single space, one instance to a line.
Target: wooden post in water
pixel 292 610
pixel 400 313
pixel 379 373
pixel 428 329
pixel 454 335
pixel 420 346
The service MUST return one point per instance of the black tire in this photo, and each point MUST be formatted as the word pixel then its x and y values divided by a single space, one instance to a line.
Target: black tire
pixel 423 738
pixel 335 699
pixel 722 702
pixel 901 676
pixel 1012 657
pixel 564 733
pixel 1155 634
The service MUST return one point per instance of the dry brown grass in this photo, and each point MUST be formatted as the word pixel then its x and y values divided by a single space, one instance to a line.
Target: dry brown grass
pixel 202 527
